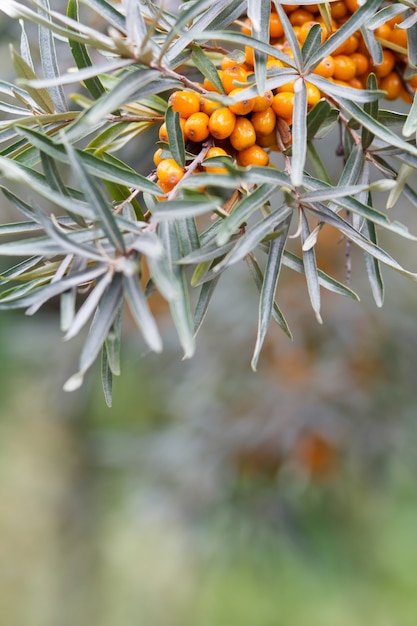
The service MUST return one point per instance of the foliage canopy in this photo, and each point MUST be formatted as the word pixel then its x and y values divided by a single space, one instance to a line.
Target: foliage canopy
pixel 98 235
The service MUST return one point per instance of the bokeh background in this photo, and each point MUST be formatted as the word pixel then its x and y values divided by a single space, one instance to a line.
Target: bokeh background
pixel 211 495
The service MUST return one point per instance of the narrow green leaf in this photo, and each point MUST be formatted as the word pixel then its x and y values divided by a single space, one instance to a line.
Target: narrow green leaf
pixel 299 133
pixel 206 292
pixel 89 306
pixel 106 378
pixel 269 286
pixel 290 35
pixel 312 43
pixel 371 108
pixel 373 266
pixel 49 61
pixel 23 70
pixel 96 199
pixel 141 312
pixel 259 14
pixel 207 68
pixel 410 126
pixel 175 136
pixel 114 341
pixel 310 269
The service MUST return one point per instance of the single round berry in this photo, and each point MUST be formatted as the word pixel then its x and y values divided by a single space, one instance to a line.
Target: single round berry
pixel 283 104
pixel 169 172
pixel 196 127
pixel 244 106
pixel 215 152
pixel 184 102
pixel 264 121
pixel 243 135
pixel 254 155
pixel 221 123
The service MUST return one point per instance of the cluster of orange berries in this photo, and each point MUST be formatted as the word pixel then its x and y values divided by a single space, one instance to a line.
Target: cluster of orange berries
pixel 246 129
pixel 350 63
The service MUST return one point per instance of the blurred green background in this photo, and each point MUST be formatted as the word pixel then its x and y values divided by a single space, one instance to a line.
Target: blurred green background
pixel 211 495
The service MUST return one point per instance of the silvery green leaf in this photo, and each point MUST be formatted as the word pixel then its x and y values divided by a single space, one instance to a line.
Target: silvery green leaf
pixel 113 342
pixel 299 133
pixel 410 126
pixel 175 136
pixel 340 91
pixel 89 305
pixel 141 313
pixel 312 43
pixel 23 70
pixel 22 267
pixel 106 378
pixel 96 199
pixel 310 269
pixel 102 322
pixel 372 265
pixel 49 62
pixel 205 295
pixel 268 289
pixel 178 209
pixel 373 45
pixel 290 35
pixel 207 68
pixel 187 235
pixel 259 14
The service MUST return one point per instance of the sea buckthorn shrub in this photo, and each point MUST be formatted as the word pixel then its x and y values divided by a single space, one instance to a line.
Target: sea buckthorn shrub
pixel 240 95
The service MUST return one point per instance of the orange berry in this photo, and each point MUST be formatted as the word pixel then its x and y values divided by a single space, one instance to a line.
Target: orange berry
pixel 264 121
pixel 387 65
pixel 286 87
pixel 243 135
pixel 338 9
pixel 163 134
pixel 165 188
pixel 208 106
pixel 222 122
pixel 325 67
pixel 352 5
pixel 209 86
pixel 184 102
pixel 249 55
pixel 232 74
pixel 345 67
pixel 196 127
pixel 289 8
pixel 254 155
pixel 157 157
pixel 283 104
pixel 169 172
pixel 392 84
pixel 215 152
pixel 271 64
pixel 397 19
pixel 398 36
pixel 299 17
pixel 356 83
pixel 312 8
pixel 244 106
pixel 246 29
pixel 228 62
pixel 313 94
pixel 268 141
pixel 275 26
pixel 383 31
pixel 362 63
pixel 412 81
pixel 260 103
pixel 348 46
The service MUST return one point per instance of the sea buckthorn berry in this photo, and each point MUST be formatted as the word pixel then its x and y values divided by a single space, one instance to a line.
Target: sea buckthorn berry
pixel 361 62
pixel 260 103
pixel 208 106
pixel 283 104
pixel 338 9
pixel 356 83
pixel 387 65
pixel 392 84
pixel 169 172
pixel 275 26
pixel 299 17
pixel 268 141
pixel 157 157
pixel 215 152
pixel 232 74
pixel 230 61
pixel 249 55
pixel 326 66
pixel 184 102
pixel 348 46
pixel 165 188
pixel 311 8
pixel 243 135
pixel 352 5
pixel 383 31
pixel 254 155
pixel 288 87
pixel 345 68
pixel 246 29
pixel 244 106
pixel 289 8
pixel 163 133
pixel 398 36
pixel 264 121
pixel 222 122
pixel 274 63
pixel 209 86
pixel 196 127
pixel 313 94
pixel 412 81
